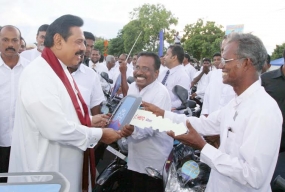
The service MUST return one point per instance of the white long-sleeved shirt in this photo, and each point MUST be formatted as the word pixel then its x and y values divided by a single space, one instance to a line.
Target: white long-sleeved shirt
pixel 48 135
pixel 177 76
pixel 9 80
pixel 88 82
pixel 217 94
pixel 250 131
pixel 146 147
pixel 191 71
pixel 30 54
pixel 202 84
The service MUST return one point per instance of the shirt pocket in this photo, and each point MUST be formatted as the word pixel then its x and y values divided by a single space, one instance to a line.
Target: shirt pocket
pixel 230 145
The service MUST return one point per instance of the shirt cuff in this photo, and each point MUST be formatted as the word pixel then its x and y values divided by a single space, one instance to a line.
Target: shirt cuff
pixel 168 115
pixel 94 136
pixel 208 154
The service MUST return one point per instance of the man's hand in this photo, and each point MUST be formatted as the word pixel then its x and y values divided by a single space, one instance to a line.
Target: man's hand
pixel 193 95
pixel 206 69
pixel 109 136
pixel 192 138
pixel 152 108
pixel 127 130
pixel 99 120
pixel 123 67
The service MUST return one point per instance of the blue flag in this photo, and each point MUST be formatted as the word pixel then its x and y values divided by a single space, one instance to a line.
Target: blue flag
pixel 161 43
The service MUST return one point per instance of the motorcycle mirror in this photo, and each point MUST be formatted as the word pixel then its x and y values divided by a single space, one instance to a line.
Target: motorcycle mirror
pixel 181 93
pixel 191 104
pixel 153 173
pixel 105 76
pixel 130 79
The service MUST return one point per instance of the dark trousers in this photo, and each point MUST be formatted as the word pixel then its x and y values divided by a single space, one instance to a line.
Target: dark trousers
pixel 145 183
pixel 4 162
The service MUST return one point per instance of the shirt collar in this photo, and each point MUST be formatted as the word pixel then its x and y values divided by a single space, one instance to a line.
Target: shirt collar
pixel 20 62
pixel 174 69
pixel 147 87
pixel 246 94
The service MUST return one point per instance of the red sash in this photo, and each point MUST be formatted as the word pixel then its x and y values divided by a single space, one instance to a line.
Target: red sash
pixel 51 59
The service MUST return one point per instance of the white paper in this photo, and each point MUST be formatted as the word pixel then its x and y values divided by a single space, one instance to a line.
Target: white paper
pixel 146 119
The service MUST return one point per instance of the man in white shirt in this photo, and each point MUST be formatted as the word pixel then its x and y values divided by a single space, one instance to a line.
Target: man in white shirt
pixel 190 70
pixel 176 74
pixel 202 79
pixel 110 63
pixel 23 45
pixel 52 124
pixel 177 39
pixel 90 40
pixel 40 38
pixel 11 67
pixel 249 126
pixel 147 147
pixel 217 94
pixel 98 67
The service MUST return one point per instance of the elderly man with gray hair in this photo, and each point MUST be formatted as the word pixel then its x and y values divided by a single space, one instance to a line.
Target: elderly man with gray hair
pixel 249 125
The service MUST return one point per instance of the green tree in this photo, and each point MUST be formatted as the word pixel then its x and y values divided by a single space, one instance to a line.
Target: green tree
pixel 202 39
pixel 278 51
pixel 149 19
pixel 99 44
pixel 116 45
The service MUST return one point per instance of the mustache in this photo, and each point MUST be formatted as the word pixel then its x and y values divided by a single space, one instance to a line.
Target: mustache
pixel 81 52
pixel 10 48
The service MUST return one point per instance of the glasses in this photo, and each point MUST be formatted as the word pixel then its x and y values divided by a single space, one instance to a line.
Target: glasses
pixel 143 68
pixel 224 61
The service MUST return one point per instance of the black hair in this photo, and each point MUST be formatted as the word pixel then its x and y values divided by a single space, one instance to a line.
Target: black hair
pixel 96 49
pixel 24 41
pixel 154 56
pixel 186 55
pixel 217 55
pixel 178 51
pixel 62 26
pixel 43 27
pixel 89 35
pixel 268 59
pixel 12 26
pixel 206 59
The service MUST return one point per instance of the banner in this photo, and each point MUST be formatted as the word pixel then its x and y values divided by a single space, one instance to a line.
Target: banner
pixel 234 28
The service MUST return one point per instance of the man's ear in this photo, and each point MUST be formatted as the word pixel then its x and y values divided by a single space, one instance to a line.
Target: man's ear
pixel 57 39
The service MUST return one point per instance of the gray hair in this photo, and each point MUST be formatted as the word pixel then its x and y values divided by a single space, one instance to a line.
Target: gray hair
pixel 109 58
pixel 249 46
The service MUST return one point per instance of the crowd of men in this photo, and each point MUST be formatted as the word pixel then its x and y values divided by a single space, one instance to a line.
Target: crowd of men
pixel 50 99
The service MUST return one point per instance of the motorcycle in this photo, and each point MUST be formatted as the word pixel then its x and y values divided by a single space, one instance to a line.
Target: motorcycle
pixel 183 170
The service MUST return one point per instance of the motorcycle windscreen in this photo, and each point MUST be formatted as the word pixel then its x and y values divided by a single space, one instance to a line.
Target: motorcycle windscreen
pixel 124 112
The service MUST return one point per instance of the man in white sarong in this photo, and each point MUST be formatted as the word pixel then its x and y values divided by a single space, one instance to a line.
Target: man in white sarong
pixel 51 130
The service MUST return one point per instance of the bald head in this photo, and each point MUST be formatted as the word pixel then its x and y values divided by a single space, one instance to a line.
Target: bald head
pixel 9 40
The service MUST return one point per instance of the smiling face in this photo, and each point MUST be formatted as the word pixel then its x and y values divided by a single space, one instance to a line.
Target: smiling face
pixel 144 72
pixel 232 70
pixel 9 42
pixel 70 52
pixel 95 56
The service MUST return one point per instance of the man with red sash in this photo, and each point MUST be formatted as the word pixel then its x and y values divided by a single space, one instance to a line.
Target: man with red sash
pixel 53 130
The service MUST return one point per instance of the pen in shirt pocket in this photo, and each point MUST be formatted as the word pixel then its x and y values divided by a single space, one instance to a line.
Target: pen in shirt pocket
pixel 229 130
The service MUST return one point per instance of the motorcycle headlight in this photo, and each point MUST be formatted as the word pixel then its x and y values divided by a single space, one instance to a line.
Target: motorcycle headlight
pixel 173 184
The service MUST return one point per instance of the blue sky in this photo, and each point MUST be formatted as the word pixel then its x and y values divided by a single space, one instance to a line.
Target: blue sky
pixel 105 17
